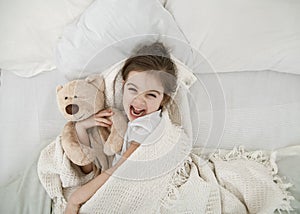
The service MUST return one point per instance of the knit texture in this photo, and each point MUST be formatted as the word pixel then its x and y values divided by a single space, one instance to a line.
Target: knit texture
pixel 165 177
pixel 59 176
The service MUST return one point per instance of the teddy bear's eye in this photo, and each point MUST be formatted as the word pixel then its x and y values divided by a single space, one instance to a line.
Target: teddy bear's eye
pixel 66 98
pixel 75 96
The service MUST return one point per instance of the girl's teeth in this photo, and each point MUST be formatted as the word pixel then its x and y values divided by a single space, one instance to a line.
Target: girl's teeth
pixel 136 112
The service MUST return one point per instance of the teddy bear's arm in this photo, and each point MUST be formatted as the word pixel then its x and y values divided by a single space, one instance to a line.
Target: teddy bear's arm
pixel 78 153
pixel 114 141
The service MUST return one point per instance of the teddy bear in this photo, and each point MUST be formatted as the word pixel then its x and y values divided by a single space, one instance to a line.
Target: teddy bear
pixel 78 100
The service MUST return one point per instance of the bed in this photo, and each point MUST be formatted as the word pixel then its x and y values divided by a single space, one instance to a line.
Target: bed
pixel 245 56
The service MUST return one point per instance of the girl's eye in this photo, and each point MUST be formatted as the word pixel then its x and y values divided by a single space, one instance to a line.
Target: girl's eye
pixel 152 95
pixel 66 98
pixel 75 96
pixel 132 89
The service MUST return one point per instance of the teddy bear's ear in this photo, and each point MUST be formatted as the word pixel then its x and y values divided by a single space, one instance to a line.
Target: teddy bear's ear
pixel 58 88
pixel 97 81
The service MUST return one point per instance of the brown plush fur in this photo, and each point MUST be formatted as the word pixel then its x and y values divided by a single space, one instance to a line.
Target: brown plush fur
pixel 78 100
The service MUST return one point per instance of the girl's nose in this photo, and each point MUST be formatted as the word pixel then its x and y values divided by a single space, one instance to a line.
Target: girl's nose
pixel 139 101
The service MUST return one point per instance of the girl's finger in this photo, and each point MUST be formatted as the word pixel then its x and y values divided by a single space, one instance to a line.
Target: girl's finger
pixel 102 124
pixel 104 113
pixel 103 120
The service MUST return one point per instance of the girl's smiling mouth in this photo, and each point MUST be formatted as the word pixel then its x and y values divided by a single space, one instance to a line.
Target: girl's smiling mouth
pixel 137 112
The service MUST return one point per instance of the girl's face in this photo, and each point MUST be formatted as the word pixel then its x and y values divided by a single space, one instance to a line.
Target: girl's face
pixel 142 94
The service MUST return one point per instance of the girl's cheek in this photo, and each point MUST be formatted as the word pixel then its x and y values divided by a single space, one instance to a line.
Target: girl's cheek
pixel 127 98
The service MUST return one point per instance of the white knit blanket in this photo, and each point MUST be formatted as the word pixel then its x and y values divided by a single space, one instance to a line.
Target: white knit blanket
pixel 166 177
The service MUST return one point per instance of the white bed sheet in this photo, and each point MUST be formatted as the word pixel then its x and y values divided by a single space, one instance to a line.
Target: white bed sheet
pixel 262 112
pixel 29 119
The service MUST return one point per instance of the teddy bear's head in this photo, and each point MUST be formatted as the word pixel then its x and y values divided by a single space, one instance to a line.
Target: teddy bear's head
pixel 79 99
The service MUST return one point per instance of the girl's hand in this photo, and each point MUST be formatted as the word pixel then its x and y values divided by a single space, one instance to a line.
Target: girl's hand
pixel 72 208
pixel 98 119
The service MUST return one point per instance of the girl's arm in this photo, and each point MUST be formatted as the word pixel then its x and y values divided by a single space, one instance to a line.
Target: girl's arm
pixel 85 192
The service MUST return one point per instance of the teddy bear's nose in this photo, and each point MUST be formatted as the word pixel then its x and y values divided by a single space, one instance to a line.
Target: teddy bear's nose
pixel 72 109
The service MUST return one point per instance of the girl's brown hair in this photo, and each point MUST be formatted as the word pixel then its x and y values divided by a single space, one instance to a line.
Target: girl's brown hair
pixel 154 58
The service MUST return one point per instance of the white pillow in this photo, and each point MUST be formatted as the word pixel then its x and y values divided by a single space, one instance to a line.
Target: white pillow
pixel 29 31
pixel 242 35
pixel 109 30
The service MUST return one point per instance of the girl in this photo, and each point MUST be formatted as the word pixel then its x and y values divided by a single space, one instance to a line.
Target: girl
pixel 149 79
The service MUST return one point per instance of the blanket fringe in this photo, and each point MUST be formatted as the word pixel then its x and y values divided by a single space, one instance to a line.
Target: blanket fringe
pixel 60 205
pixel 268 161
pixel 179 177
pixel 182 174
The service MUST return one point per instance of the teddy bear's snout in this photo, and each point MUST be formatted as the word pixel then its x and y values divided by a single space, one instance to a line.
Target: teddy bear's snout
pixel 72 109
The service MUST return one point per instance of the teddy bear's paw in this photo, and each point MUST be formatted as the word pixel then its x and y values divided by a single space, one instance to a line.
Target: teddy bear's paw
pixel 81 155
pixel 109 150
pixel 113 144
